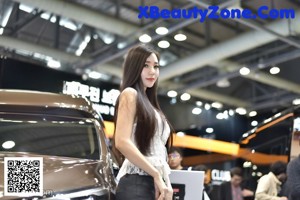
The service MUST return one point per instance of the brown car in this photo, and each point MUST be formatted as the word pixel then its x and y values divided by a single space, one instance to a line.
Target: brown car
pixel 67 133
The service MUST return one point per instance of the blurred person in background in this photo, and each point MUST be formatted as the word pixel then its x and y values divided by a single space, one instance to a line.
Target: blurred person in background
pixel 293 179
pixel 233 190
pixel 269 185
pixel 175 159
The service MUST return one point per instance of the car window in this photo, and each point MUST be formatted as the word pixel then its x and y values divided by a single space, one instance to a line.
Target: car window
pixel 49 135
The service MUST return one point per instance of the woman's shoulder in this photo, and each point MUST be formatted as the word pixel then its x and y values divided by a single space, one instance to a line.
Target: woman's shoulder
pixel 129 90
pixel 128 93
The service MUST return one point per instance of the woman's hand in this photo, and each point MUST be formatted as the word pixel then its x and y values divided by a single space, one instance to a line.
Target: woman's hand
pixel 162 192
pixel 169 195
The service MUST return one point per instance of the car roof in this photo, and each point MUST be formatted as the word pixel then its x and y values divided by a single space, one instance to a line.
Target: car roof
pixel 44 99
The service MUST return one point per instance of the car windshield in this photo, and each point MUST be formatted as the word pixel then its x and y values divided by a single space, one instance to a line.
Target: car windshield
pixel 55 136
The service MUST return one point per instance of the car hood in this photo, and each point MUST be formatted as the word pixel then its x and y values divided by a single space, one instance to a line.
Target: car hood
pixel 63 174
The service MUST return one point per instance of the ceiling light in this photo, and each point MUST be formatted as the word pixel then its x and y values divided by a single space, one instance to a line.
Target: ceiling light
pixel 268 120
pixel 108 39
pixel 223 83
pixel 199 103
pixel 277 115
pixel 216 105
pixel 163 62
pixel 274 70
pixel 225 114
pixel 5 16
pixel 145 38
pixel 220 116
pixel 173 101
pixel 172 93
pixel 38 56
pixel 245 135
pixel 83 45
pixel 68 24
pixel 196 111
pixel 254 123
pixel 231 112
pixel 180 37
pixel 296 101
pixel 95 75
pixel 252 113
pixel 32 122
pixel 121 45
pixel 259 174
pixel 53 63
pixel 253 130
pixel 53 20
pixel 185 96
pixel 207 106
pixel 209 130
pixel 25 8
pixel 161 30
pixel 45 16
pixel 247 164
pixel 241 111
pixel 244 71
pixel 95 36
pixel 163 44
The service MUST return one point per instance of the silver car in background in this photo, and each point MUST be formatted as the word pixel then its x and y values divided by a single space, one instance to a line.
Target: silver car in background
pixel 67 133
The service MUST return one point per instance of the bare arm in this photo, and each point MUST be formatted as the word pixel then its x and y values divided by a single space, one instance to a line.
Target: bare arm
pixel 125 121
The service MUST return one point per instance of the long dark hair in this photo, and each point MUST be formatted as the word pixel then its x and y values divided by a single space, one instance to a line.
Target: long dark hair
pixel 146 122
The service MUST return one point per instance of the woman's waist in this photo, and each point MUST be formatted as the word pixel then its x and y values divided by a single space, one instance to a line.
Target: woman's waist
pixel 159 163
pixel 156 161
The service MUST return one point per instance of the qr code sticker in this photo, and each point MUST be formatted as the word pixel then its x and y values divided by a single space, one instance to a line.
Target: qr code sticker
pixel 23 176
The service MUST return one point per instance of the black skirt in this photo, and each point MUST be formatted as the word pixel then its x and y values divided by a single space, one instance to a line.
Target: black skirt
pixel 135 187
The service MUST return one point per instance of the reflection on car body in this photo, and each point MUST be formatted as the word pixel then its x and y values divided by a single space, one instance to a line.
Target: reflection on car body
pixel 67 133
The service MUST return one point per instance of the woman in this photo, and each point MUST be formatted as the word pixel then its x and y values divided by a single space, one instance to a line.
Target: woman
pixel 141 130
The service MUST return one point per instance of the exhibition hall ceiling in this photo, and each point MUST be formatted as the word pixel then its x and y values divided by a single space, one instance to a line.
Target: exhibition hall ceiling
pixel 91 37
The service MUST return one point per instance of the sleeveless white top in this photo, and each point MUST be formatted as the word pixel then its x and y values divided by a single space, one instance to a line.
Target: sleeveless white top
pixel 157 155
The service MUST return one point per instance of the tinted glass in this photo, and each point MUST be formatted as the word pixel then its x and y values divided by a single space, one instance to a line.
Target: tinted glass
pixel 48 135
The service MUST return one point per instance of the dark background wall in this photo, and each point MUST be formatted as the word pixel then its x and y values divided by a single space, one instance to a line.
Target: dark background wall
pixel 21 75
pixel 26 76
